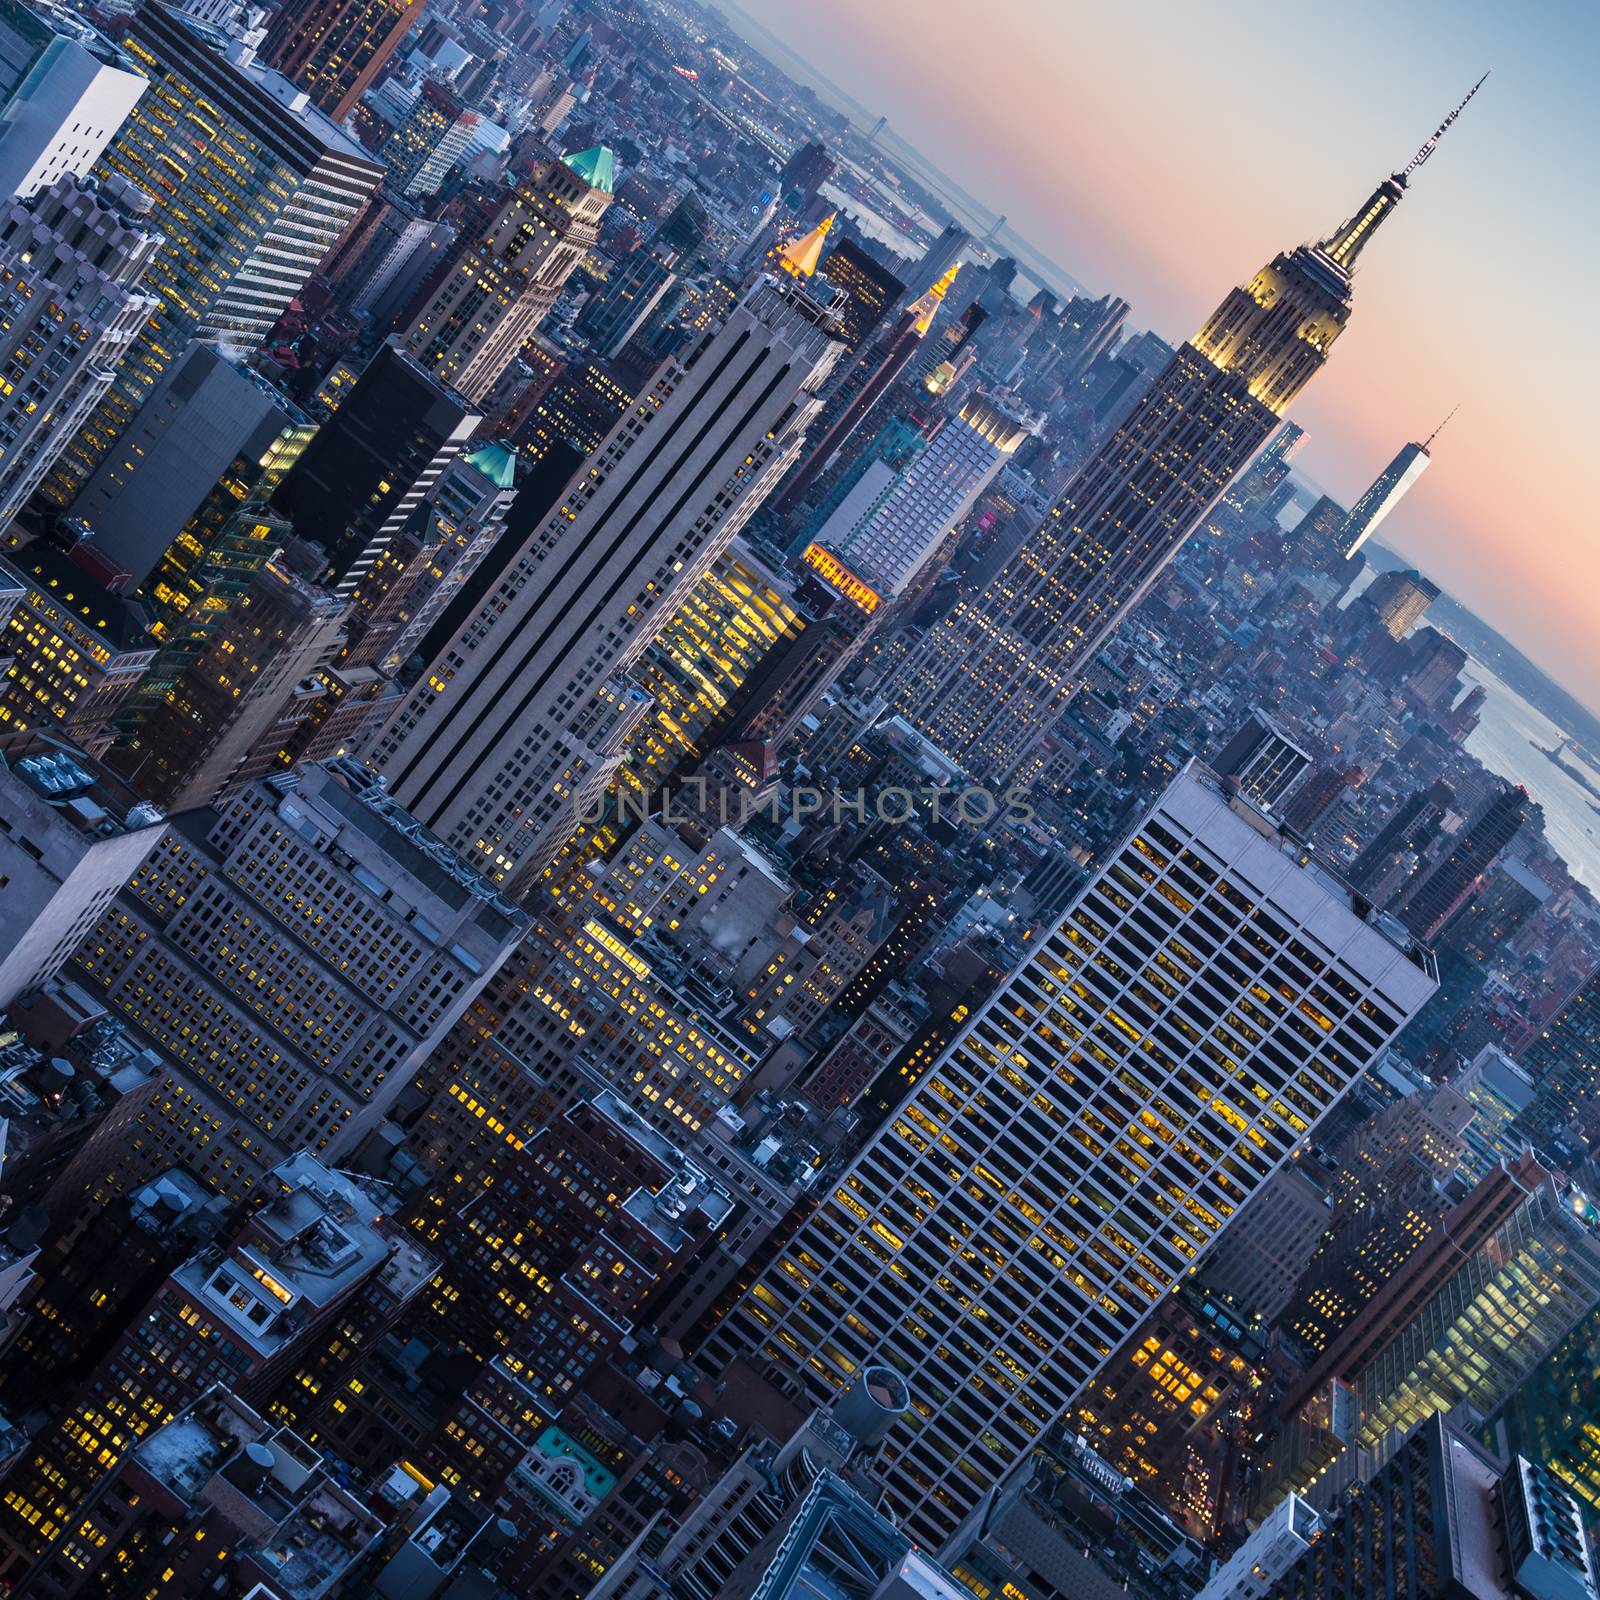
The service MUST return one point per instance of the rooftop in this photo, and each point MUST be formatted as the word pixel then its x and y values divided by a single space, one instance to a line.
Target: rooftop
pixel 84 794
pixel 597 167
pixel 122 623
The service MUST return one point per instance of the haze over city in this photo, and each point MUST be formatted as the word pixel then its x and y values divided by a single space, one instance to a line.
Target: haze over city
pixel 1160 149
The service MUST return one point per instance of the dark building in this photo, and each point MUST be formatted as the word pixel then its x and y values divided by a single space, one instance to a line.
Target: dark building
pixel 373 460
pixel 335 49
pixel 869 292
pixel 1412 828
pixel 1444 890
pixel 806 171
pixel 1564 1063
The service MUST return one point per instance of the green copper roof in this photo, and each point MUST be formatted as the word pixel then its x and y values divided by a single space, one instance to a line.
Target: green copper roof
pixel 497 462
pixel 597 167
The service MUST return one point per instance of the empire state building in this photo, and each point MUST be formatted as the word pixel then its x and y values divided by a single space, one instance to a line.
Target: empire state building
pixel 998 670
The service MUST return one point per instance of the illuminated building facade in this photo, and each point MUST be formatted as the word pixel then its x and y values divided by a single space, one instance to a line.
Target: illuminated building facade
pixel 335 49
pixel 1444 890
pixel 998 670
pixel 1054 1173
pixel 430 139
pixel 84 245
pixel 489 303
pixel 241 1314
pixel 724 628
pixel 1382 496
pixel 294 956
pixel 225 708
pixel 1505 1306
pixel 889 544
pixel 271 186
pixel 525 711
pixel 75 653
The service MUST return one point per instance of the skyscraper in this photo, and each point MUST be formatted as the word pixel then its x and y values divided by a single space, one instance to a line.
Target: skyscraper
pixel 335 49
pixel 1443 891
pixel 998 670
pixel 244 221
pixel 887 545
pixel 1198 1009
pixel 489 303
pixel 1564 1063
pixel 1383 494
pixel 64 91
pixel 487 750
pixel 328 942
pixel 56 369
pixel 373 462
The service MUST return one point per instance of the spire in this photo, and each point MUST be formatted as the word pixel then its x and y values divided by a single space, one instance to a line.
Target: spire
pixel 800 256
pixel 1440 429
pixel 1438 133
pixel 926 307
pixel 1343 246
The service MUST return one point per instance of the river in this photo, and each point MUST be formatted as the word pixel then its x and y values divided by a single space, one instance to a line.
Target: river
pixel 1510 740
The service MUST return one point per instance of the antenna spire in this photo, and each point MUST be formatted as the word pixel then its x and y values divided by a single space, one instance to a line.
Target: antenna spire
pixel 1440 429
pixel 1432 143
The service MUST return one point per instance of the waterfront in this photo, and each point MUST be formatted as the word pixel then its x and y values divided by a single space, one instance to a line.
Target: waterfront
pixel 1511 740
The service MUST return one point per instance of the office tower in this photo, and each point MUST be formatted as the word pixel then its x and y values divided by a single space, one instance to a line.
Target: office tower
pixel 244 223
pixel 242 1313
pixel 225 711
pixel 717 639
pixel 206 420
pixel 1409 832
pixel 633 291
pixel 579 410
pixel 1538 1273
pixel 432 136
pixel 1381 497
pixel 938 258
pixel 75 650
pixel 1443 891
pixel 1263 1252
pixel 805 172
pixel 64 91
pixel 373 460
pixel 861 387
pixel 1281 1539
pixel 1508 897
pixel 722 1547
pixel 999 668
pixel 867 292
pixel 1065 1522
pixel 887 545
pixel 491 749
pixel 392 235
pixel 71 835
pixel 83 244
pixel 1350 1310
pixel 1564 1063
pixel 1441 1520
pixel 1317 795
pixel 487 306
pixel 1164 1408
pixel 1499 1091
pixel 1400 599
pixel 447 537
pixel 1264 761
pixel 1085 1141
pixel 335 49
pixel 328 941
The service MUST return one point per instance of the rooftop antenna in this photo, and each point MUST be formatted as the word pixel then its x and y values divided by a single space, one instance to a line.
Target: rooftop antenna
pixel 1439 132
pixel 1440 429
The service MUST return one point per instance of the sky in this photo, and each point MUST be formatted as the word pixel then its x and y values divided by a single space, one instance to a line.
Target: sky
pixel 1163 150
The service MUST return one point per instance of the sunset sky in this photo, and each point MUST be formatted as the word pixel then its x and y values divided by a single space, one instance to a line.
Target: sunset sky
pixel 1163 150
